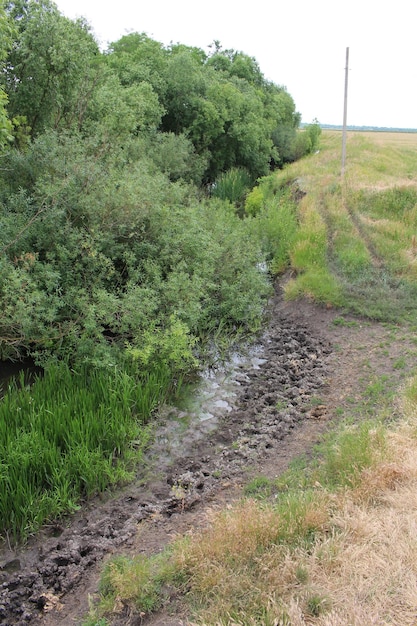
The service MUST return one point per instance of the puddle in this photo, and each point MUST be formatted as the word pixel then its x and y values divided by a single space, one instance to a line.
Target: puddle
pixel 205 403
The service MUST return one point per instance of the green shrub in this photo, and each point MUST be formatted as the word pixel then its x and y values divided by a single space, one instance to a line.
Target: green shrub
pixel 254 201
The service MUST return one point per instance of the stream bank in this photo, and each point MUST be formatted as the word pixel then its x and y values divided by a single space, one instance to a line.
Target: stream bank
pixel 312 366
pixel 241 414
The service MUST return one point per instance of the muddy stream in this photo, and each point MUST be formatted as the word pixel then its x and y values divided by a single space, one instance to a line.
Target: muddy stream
pixel 236 415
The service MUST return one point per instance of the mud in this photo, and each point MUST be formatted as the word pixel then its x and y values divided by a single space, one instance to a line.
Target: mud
pixel 272 409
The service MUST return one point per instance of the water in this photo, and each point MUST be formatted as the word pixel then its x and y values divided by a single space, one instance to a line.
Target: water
pixel 10 372
pixel 205 403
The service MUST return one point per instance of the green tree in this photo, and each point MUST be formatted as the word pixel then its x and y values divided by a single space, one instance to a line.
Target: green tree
pixel 49 71
pixel 6 41
pixel 238 64
pixel 137 58
pixel 116 111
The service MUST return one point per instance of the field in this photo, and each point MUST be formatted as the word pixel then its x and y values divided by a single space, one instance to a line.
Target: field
pixel 356 247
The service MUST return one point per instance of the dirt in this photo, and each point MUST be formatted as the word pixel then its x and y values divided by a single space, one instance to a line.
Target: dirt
pixel 316 365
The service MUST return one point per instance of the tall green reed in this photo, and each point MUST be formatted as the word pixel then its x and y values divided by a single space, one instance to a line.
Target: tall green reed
pixel 68 436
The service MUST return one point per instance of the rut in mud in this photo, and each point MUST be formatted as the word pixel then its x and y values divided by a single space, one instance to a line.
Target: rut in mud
pixel 303 359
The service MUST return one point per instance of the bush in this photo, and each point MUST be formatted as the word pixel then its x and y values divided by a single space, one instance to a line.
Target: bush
pixel 254 201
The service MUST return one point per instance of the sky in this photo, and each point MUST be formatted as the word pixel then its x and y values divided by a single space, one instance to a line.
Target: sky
pixel 298 44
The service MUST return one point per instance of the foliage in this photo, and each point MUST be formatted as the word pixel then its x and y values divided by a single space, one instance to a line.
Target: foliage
pixel 254 201
pixel 313 131
pixel 96 258
pixel 105 239
pixel 50 68
pixel 306 141
pixel 275 223
pixel 6 41
pixel 114 259
pixel 222 102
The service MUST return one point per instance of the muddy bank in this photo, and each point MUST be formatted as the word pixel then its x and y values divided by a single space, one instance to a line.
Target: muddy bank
pixel 265 399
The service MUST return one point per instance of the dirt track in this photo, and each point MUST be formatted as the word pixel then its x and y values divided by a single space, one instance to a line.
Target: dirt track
pixel 313 370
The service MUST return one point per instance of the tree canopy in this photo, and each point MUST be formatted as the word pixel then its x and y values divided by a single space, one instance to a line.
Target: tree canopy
pixel 109 241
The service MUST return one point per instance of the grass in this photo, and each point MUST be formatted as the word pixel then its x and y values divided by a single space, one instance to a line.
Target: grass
pixel 276 225
pixel 356 244
pixel 327 543
pixel 68 436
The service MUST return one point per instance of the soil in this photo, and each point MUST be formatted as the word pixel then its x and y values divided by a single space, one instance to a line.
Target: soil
pixel 315 365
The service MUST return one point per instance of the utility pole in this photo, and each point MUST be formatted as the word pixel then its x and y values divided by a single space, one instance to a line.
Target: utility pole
pixel 345 113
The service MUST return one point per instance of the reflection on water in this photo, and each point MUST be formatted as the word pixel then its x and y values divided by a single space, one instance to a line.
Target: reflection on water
pixel 204 403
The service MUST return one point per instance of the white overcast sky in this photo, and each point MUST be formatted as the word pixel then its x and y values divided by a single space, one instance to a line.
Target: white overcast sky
pixel 300 44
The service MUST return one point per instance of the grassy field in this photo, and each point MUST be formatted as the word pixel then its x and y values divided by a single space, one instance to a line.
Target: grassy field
pixel 332 542
pixel 356 247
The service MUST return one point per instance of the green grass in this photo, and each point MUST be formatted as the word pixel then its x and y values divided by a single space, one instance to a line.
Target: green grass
pixel 232 185
pixel 355 246
pixel 275 225
pixel 318 285
pixel 69 436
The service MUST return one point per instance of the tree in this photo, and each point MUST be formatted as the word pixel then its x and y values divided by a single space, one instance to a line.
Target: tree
pixel 136 58
pixel 50 68
pixel 238 64
pixel 6 40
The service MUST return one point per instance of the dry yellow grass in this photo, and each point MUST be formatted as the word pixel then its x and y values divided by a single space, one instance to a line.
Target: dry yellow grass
pixel 369 570
pixel 360 568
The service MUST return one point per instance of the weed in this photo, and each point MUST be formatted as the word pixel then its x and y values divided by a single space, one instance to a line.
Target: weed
pixel 301 574
pixel 232 185
pixel 315 401
pixel 400 363
pixel 139 579
pixel 281 405
pixel 92 620
pixel 341 321
pixel 260 487
pixel 69 436
pixel 377 390
pixel 317 284
pixel 316 605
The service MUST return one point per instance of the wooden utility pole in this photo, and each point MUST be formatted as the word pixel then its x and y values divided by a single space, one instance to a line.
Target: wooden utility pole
pixel 345 113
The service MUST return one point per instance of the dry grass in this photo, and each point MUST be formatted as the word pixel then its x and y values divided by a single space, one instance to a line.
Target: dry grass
pixel 344 557
pixel 358 567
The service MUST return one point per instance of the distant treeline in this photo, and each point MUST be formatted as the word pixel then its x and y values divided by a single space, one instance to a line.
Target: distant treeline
pixel 380 129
